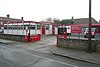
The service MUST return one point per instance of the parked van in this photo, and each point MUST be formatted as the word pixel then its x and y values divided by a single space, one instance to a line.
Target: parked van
pixel 86 32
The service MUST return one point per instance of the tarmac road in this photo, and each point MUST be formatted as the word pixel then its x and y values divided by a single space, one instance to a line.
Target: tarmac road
pixel 36 54
pixel 15 58
pixel 5 63
pixel 18 57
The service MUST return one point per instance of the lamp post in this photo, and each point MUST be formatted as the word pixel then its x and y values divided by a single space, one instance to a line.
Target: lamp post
pixel 29 33
pixel 7 27
pixel 89 38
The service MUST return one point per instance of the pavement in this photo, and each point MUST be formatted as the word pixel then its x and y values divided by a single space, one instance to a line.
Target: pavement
pixel 77 54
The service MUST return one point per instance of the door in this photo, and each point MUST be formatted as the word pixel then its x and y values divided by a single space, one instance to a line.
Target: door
pixel 43 30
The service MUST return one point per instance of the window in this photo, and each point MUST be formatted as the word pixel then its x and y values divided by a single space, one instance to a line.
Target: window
pixel 32 27
pixel 38 27
pixel 47 27
pixel 5 27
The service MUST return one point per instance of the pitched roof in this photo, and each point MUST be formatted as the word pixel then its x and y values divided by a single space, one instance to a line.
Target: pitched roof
pixel 10 19
pixel 84 21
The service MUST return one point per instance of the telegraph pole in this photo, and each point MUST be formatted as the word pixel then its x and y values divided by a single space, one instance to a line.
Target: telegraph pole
pixel 89 37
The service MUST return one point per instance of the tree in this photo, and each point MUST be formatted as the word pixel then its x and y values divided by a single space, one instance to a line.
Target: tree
pixel 65 21
pixel 49 19
pixel 56 20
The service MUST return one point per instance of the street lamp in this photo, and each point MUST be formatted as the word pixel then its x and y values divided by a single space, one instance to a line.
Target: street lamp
pixel 29 33
pixel 89 38
pixel 7 26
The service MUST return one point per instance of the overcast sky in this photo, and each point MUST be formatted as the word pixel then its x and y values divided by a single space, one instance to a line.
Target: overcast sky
pixel 37 10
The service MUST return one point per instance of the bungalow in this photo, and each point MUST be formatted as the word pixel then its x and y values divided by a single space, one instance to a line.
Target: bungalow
pixel 84 21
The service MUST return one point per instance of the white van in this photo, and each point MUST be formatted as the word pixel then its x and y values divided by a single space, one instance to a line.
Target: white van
pixel 86 32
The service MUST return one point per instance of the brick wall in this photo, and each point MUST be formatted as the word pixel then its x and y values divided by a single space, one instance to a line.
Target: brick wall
pixel 13 37
pixel 80 44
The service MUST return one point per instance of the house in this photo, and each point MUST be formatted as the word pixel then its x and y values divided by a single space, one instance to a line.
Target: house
pixel 4 20
pixel 84 21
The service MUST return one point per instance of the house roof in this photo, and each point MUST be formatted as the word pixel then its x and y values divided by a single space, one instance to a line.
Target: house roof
pixel 84 21
pixel 10 19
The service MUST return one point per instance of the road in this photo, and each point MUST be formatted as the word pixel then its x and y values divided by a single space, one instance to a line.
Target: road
pixel 36 54
pixel 12 57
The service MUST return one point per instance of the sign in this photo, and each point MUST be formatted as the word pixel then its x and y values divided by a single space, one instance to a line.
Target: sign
pixel 76 29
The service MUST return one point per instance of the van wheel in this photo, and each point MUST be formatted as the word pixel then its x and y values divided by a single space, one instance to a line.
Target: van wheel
pixel 93 36
pixel 85 36
pixel 69 34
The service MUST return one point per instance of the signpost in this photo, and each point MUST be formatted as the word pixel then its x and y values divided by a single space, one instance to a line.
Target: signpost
pixel 76 29
pixel 26 28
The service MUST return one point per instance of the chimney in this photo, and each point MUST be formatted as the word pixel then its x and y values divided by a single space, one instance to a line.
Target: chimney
pixel 22 18
pixel 99 21
pixel 8 16
pixel 72 18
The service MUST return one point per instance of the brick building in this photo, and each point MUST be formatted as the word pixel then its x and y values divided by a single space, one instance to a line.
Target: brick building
pixel 7 19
